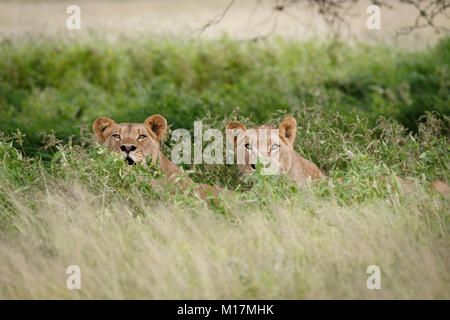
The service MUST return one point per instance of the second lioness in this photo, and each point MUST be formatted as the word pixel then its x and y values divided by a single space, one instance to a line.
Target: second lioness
pixel 290 163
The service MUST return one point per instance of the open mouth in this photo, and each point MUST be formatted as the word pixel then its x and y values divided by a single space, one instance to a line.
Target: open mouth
pixel 129 160
pixel 253 166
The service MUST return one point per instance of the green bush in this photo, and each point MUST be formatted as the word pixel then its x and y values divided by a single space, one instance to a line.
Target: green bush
pixel 63 84
pixel 65 199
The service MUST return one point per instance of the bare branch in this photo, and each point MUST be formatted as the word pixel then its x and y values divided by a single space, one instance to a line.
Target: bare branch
pixel 335 13
pixel 218 18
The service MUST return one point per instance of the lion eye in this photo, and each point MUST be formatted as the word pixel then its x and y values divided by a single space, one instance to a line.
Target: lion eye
pixel 142 137
pixel 274 147
pixel 116 136
pixel 248 146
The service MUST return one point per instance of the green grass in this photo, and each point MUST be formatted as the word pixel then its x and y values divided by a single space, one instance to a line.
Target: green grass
pixel 65 83
pixel 67 201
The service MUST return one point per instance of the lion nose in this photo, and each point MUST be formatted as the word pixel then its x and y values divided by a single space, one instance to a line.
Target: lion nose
pixel 127 148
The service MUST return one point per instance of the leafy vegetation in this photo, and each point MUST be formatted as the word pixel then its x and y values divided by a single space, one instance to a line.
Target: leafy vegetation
pixel 65 199
pixel 63 84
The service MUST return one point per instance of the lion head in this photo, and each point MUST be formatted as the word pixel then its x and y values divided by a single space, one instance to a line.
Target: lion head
pixel 135 141
pixel 263 142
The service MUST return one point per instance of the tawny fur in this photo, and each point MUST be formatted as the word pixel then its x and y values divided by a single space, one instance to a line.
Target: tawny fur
pixel 441 187
pixel 146 137
pixel 291 164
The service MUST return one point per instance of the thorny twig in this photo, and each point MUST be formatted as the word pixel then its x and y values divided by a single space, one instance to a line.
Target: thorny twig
pixel 335 13
pixel 218 18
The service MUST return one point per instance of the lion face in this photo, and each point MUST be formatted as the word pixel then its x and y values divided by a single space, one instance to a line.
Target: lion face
pixel 135 141
pixel 273 146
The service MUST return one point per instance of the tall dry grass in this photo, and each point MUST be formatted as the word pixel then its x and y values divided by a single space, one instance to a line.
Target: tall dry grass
pixel 303 248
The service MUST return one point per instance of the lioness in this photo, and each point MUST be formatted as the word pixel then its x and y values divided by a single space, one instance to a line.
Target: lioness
pixel 136 141
pixel 289 162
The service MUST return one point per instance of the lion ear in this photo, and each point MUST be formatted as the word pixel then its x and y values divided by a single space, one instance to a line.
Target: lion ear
pixel 287 129
pixel 233 129
pixel 103 128
pixel 157 125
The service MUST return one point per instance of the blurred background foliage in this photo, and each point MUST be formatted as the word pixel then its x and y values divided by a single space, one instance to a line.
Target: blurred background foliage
pixel 65 84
